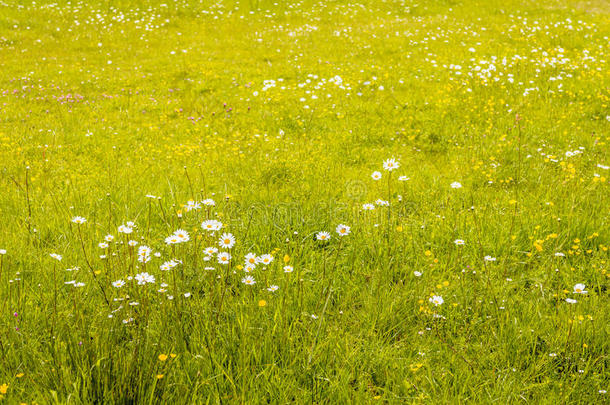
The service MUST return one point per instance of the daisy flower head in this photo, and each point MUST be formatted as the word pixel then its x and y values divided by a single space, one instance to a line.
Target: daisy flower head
pixel 109 238
pixel 455 184
pixel 368 207
pixel 144 253
pixel 172 239
pixel 343 230
pixel 56 256
pixel 489 259
pixel 224 257
pixel 248 268
pixel 211 225
pixel 182 235
pixel 226 241
pixel 323 236
pixel 248 280
pixel 376 175
pixel 579 289
pixel 144 278
pixel 209 202
pixel 210 251
pixel 436 300
pixel 403 178
pixel 265 259
pixel 459 242
pixel 390 164
pixel 2 251
pixel 192 205
pixel 273 288
pixel 251 259
pixel 571 301
pixel 103 245
pixel 125 229
pixel 168 265
pixel 288 269
pixel 79 220
pixel 118 283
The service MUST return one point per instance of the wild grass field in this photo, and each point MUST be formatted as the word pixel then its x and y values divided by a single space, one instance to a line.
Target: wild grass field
pixel 332 202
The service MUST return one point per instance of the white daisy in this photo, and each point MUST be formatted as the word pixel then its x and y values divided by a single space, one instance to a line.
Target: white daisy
pixel 251 259
pixel 210 251
pixel 118 283
pixel 79 220
pixel 211 225
pixel 125 229
pixel 144 254
pixel 391 164
pixel 579 289
pixel 436 300
pixel 192 205
pixel 248 280
pixel 226 241
pixel 265 259
pixel 182 235
pixel 224 257
pixel 168 265
pixel 323 236
pixel 571 301
pixel 55 256
pixel 144 278
pixel 343 230
pixel 172 239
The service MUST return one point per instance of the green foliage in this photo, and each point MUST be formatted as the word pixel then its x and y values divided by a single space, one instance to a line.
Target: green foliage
pixel 280 112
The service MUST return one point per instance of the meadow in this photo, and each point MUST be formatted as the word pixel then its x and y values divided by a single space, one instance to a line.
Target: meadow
pixel 391 201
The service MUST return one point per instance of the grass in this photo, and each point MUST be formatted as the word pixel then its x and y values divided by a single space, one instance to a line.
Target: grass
pixel 280 113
